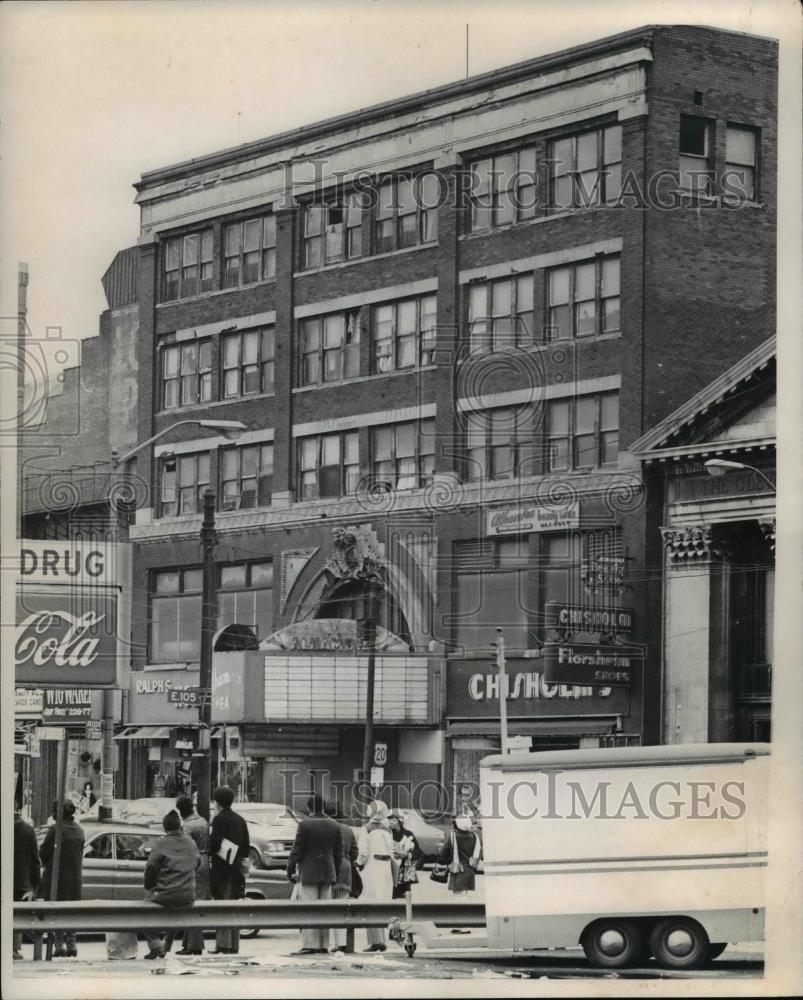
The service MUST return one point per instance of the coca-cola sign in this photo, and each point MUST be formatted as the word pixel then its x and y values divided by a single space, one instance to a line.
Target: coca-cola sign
pixel 66 635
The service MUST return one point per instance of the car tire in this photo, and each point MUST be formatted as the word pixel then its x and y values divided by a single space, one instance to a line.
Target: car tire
pixel 612 943
pixel 680 943
pixel 251 932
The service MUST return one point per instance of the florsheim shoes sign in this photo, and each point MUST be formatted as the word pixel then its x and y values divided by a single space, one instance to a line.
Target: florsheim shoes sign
pixel 67 613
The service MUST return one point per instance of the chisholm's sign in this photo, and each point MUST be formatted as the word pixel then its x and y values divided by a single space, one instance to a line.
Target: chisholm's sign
pixel 587 618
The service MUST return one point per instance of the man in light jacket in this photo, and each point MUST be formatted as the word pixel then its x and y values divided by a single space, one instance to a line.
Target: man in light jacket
pixel 317 854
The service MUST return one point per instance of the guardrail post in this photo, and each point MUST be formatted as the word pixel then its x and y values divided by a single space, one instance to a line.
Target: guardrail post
pixel 37 947
pixel 349 939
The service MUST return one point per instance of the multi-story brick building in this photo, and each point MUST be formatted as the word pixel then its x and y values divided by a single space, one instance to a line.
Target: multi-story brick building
pixel 443 320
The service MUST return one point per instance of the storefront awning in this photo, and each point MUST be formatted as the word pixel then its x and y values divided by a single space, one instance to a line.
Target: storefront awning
pixel 144 733
pixel 534 727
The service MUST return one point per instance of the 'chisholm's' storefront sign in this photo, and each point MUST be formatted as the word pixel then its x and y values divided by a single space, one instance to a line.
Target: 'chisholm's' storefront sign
pixel 472 689
pixel 583 618
pixel 532 517
pixel 586 663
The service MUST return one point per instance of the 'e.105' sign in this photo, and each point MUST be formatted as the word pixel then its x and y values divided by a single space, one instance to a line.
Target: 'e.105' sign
pixel 66 636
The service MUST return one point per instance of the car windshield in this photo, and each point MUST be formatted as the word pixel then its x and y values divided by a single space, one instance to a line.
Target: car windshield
pixel 268 815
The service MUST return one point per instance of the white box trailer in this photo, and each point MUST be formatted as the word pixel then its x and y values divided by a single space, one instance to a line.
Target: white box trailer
pixel 626 851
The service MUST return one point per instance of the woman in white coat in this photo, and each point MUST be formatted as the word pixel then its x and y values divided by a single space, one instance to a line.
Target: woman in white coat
pixel 375 855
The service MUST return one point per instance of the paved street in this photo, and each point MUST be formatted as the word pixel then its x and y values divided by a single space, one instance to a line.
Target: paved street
pixel 440 955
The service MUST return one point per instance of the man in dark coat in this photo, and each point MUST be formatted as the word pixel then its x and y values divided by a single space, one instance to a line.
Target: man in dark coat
pixel 317 854
pixel 27 869
pixel 170 875
pixel 69 884
pixel 227 878
pixel 346 877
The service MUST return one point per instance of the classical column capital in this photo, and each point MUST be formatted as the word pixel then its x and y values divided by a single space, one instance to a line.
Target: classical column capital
pixel 695 543
pixel 767 527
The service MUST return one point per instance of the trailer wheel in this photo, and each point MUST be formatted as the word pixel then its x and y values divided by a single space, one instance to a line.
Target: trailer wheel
pixel 715 950
pixel 680 943
pixel 611 943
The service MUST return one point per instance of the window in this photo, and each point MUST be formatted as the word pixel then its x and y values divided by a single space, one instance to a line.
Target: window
pixel 584 567
pixel 187 265
pixel 248 363
pixel 183 481
pixel 135 846
pixel 186 374
pixel 249 250
pixel 245 596
pixel 333 230
pixel 175 614
pixel 500 444
pixel 406 212
pixel 99 847
pixel 491 592
pixel 584 299
pixel 246 476
pixel 500 314
pixel 694 165
pixel 330 348
pixel 328 465
pixel 583 433
pixel 403 455
pixel 586 169
pixel 503 189
pixel 740 161
pixel 403 334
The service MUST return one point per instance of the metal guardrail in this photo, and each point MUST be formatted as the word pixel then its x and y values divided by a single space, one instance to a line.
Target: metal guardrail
pixel 40 917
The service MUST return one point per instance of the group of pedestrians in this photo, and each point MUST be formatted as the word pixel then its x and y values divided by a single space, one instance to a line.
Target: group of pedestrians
pixel 196 861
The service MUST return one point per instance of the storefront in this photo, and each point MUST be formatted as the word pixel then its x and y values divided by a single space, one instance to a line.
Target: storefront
pixel 541 715
pixel 161 733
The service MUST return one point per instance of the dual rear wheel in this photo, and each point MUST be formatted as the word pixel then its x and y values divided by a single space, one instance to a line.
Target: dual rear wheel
pixel 676 943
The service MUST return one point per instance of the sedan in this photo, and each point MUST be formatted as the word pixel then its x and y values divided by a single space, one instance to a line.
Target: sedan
pixel 272 831
pixel 115 855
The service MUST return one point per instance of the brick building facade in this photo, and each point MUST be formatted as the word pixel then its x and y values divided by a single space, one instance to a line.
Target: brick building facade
pixel 443 321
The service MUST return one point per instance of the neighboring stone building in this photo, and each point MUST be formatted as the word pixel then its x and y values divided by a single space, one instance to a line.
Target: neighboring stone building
pixel 717 522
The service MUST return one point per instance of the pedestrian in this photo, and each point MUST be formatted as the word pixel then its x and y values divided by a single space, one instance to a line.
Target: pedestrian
pixel 89 794
pixel 169 877
pixel 229 847
pixel 69 880
pixel 197 828
pixel 347 879
pixel 315 861
pixel 27 868
pixel 462 854
pixel 375 855
pixel 406 852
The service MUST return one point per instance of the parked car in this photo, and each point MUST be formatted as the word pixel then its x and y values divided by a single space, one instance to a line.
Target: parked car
pixel 272 830
pixel 115 855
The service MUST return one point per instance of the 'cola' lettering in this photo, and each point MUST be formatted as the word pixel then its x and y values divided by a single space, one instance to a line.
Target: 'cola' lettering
pixel 72 649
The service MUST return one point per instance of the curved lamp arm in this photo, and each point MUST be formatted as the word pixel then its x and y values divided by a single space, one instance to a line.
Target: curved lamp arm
pixel 232 427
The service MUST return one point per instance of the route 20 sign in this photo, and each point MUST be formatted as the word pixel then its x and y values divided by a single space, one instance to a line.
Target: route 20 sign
pixel 380 753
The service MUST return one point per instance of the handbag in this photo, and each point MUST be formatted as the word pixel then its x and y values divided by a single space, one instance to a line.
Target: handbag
pixel 439 874
pixel 356 883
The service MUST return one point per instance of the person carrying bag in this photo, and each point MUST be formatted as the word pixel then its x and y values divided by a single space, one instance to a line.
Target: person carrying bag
pixel 460 857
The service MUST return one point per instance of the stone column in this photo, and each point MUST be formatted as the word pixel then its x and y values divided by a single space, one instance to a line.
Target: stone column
pixel 698 692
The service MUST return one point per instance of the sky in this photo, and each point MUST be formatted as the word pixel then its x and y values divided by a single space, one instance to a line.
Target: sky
pixel 94 94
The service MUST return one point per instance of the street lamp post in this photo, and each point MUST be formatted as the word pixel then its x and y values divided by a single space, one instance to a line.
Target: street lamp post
pixel 232 429
pixel 370 638
pixel 208 615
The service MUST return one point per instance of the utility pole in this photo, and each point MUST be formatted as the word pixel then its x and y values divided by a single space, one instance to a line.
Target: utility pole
pixel 208 616
pixel 370 638
pixel 501 666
